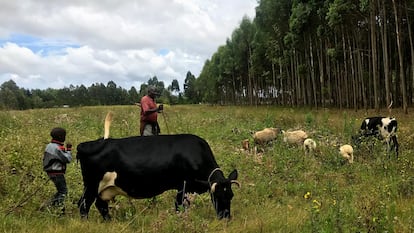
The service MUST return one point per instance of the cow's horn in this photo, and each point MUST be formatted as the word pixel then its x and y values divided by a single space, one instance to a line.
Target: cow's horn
pixel 108 120
pixel 236 182
pixel 213 187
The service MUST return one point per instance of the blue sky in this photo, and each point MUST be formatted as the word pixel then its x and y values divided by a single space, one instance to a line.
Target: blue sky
pixel 54 44
pixel 38 45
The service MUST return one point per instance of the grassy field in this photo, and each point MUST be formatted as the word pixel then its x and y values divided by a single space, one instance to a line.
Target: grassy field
pixel 282 190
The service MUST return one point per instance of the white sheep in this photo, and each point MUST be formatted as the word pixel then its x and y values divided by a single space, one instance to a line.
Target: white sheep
pixel 294 137
pixel 309 145
pixel 347 152
pixel 266 135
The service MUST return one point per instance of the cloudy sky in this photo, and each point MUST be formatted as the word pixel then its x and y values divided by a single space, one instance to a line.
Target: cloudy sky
pixel 49 43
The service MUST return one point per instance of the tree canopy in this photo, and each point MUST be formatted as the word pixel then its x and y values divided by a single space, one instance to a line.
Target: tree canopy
pixel 13 97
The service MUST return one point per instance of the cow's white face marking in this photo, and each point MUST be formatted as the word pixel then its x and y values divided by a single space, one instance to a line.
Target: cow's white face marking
pixel 384 129
pixel 366 122
pixel 107 189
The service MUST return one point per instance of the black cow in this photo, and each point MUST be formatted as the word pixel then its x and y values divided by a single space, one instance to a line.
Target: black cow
pixel 385 128
pixel 143 167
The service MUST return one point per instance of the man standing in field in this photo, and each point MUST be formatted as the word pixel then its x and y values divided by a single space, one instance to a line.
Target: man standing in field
pixel 149 113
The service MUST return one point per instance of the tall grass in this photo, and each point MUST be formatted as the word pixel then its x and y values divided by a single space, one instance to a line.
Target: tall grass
pixel 282 189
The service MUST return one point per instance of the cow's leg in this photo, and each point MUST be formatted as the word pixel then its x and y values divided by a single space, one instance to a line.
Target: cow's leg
pixel 179 200
pixel 395 144
pixel 388 141
pixel 102 206
pixel 85 202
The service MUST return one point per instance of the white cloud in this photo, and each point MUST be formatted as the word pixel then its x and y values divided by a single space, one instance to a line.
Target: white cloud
pixel 57 43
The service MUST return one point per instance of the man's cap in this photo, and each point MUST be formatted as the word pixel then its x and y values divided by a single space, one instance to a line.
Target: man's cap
pixel 153 90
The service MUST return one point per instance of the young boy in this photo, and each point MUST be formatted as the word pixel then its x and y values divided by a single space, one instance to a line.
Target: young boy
pixel 55 158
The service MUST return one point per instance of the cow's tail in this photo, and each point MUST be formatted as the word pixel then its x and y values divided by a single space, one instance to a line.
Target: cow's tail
pixel 108 121
pixel 389 108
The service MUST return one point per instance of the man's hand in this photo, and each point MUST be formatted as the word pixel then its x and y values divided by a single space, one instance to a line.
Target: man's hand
pixel 68 146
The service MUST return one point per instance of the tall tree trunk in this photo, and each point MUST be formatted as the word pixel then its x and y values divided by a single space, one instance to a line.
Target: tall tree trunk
pixel 235 96
pixel 345 78
pixel 374 53
pixel 321 72
pixel 338 84
pixel 306 79
pixel 353 78
pixel 384 37
pixel 293 80
pixel 250 76
pixel 289 86
pixel 297 79
pixel 329 81
pixel 401 62
pixel 410 36
pixel 274 88
pixel 315 98
pixel 281 90
pixel 361 79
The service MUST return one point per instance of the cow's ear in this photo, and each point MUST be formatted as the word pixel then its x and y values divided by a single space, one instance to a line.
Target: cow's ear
pixel 233 175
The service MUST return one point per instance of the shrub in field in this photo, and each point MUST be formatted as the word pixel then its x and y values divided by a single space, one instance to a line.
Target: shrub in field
pixel 309 120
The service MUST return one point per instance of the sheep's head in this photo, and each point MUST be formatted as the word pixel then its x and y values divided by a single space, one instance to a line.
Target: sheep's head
pixel 347 152
pixel 309 145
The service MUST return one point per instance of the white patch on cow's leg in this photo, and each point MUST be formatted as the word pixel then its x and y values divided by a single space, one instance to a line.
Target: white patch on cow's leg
pixel 107 189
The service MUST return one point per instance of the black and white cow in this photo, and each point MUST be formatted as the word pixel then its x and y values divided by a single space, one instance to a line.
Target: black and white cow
pixel 143 167
pixel 385 128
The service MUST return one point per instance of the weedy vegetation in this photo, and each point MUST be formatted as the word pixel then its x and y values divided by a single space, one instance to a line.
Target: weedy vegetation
pixel 282 190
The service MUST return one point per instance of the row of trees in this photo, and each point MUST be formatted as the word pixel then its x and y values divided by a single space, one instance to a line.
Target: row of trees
pixel 13 97
pixel 319 53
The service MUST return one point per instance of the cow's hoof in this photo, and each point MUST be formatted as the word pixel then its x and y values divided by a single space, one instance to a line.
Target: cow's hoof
pixel 107 218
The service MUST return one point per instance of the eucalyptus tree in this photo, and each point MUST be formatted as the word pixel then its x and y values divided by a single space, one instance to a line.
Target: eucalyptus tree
pixel 300 32
pixel 80 96
pixel 409 17
pixel 232 71
pixel 349 52
pixel 242 38
pixel 272 19
pixel 397 16
pixel 190 89
pixel 64 96
pixel 97 94
pixel 9 94
pixel 175 86
pixel 206 82
pixel 228 73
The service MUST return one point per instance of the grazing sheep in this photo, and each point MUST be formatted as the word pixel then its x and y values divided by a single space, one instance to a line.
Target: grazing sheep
pixel 347 152
pixel 294 137
pixel 266 135
pixel 309 145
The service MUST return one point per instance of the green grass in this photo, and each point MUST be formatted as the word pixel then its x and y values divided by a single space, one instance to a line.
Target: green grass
pixel 375 194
